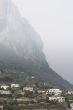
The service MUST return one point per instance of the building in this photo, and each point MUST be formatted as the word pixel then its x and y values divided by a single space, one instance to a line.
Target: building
pixel 30 89
pixel 71 105
pixel 5 92
pixel 1 107
pixel 41 91
pixel 5 87
pixel 70 92
pixel 14 86
pixel 59 99
pixel 55 92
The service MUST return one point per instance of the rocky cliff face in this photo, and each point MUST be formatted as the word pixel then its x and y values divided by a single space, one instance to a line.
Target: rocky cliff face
pixel 21 47
pixel 19 38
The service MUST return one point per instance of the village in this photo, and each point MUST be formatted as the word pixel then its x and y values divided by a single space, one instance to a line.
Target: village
pixel 30 96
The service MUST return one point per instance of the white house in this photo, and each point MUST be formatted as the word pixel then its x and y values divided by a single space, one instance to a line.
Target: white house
pixel 59 99
pixel 41 91
pixel 15 85
pixel 28 89
pixel 71 105
pixel 1 107
pixel 55 92
pixel 4 87
pixel 70 92
pixel 5 92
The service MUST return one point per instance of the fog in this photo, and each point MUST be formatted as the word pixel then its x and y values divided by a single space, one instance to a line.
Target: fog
pixel 53 20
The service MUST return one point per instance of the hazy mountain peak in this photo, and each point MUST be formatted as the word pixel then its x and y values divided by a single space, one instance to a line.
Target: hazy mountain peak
pixel 21 47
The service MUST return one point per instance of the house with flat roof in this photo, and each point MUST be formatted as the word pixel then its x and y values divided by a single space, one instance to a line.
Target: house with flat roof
pixel 59 99
pixel 5 87
pixel 30 89
pixel 55 92
pixel 15 86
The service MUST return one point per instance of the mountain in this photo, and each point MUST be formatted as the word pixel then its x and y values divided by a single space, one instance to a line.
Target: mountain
pixel 21 50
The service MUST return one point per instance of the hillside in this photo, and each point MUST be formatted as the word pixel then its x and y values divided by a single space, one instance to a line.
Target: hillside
pixel 21 51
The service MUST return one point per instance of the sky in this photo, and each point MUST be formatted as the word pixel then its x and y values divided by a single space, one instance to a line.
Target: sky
pixel 53 20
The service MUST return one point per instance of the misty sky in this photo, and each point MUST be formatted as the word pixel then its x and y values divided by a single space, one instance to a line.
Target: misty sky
pixel 53 20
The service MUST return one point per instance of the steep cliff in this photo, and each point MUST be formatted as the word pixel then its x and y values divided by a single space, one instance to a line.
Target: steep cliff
pixel 21 49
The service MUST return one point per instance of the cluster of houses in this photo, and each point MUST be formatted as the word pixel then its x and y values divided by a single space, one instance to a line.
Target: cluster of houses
pixel 6 89
pixel 53 94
